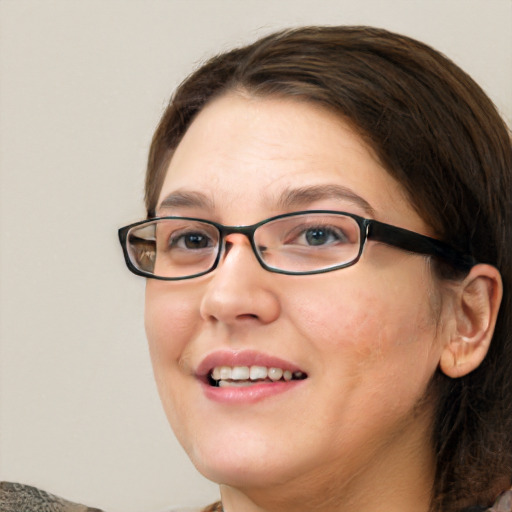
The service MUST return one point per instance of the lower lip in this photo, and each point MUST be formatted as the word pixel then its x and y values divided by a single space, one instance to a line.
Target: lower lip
pixel 249 394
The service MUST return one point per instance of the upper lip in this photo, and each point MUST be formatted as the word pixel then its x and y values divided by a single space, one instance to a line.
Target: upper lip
pixel 242 358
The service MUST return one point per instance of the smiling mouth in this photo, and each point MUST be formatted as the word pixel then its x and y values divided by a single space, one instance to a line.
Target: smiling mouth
pixel 241 376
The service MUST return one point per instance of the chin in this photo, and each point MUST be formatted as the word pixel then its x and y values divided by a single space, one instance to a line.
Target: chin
pixel 246 463
pixel 245 475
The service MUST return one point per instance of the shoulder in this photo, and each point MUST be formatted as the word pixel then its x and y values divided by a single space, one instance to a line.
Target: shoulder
pixel 503 503
pixel 16 497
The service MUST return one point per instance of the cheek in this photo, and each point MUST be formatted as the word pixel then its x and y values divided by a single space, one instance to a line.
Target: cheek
pixel 171 317
pixel 387 323
pixel 377 351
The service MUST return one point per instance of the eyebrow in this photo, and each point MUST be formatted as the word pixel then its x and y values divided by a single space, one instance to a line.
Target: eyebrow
pixel 184 199
pixel 298 197
pixel 290 198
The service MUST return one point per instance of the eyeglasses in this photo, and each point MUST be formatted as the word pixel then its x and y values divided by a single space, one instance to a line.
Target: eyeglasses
pixel 299 243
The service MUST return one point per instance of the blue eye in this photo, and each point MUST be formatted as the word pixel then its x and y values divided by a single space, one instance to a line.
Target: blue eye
pixel 319 236
pixel 322 235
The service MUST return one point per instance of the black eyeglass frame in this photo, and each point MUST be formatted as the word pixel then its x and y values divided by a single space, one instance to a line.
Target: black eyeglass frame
pixel 370 229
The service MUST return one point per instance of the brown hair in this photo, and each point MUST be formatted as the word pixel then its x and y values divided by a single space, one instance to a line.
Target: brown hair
pixel 441 137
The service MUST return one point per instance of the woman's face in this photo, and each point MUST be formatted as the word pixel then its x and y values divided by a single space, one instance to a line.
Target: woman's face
pixel 367 337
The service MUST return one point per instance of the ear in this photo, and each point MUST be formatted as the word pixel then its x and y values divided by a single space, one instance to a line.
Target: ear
pixel 475 309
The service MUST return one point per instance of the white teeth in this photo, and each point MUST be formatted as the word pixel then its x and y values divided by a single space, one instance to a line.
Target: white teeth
pixel 225 372
pixel 258 372
pixel 233 384
pixel 275 373
pixel 240 373
pixel 245 375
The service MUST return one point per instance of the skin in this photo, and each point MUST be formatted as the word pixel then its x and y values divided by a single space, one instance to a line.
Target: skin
pixel 356 432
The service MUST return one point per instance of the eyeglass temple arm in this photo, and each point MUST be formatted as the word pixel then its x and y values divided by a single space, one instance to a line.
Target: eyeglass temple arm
pixel 417 243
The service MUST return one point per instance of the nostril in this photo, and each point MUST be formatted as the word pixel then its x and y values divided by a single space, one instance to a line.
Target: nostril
pixel 247 316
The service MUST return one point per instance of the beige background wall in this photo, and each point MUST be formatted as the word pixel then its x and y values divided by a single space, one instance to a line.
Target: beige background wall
pixel 82 84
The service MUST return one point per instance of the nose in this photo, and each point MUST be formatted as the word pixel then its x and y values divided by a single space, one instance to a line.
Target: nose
pixel 240 289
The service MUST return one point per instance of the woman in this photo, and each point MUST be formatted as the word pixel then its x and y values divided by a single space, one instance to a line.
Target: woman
pixel 328 259
pixel 313 359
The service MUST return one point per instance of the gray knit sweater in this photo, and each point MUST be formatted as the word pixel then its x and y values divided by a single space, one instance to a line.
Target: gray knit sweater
pixel 24 498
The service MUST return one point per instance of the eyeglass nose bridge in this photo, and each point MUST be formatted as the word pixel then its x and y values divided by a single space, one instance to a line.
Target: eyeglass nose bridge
pixel 247 231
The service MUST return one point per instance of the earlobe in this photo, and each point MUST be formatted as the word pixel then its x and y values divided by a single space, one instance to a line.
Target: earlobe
pixel 475 309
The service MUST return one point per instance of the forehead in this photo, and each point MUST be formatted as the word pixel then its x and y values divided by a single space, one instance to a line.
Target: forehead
pixel 242 155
